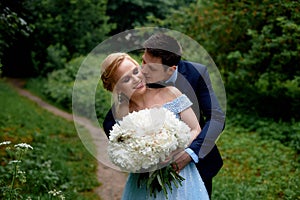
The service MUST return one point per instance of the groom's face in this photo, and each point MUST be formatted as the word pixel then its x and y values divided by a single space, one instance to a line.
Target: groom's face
pixel 153 69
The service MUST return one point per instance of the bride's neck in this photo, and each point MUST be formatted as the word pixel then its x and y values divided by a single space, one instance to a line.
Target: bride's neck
pixel 140 102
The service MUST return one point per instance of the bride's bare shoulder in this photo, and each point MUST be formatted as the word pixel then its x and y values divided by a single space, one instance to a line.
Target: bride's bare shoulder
pixel 169 93
pixel 173 91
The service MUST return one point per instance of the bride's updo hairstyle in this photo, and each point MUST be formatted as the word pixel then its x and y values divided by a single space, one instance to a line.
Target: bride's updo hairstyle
pixel 109 66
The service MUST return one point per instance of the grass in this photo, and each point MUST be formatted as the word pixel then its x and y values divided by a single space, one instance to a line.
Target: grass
pixel 58 160
pixel 256 168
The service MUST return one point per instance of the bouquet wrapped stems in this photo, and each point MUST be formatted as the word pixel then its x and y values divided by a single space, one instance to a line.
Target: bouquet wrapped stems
pixel 161 179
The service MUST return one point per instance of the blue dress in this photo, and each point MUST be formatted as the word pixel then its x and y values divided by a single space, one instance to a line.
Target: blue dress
pixel 192 187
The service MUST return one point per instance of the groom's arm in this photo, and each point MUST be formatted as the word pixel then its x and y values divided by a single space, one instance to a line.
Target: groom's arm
pixel 213 123
pixel 108 122
pixel 213 115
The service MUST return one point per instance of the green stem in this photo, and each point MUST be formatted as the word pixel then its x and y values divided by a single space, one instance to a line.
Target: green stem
pixel 13 181
pixel 19 157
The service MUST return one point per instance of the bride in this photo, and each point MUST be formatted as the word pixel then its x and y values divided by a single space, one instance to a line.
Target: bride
pixel 122 76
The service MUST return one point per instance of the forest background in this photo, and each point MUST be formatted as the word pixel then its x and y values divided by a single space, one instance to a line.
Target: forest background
pixel 255 45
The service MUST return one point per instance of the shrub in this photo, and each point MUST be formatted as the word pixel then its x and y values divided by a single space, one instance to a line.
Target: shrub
pixel 60 87
pixel 251 45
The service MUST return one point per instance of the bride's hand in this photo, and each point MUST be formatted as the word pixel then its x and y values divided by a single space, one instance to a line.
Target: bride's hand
pixel 172 157
pixel 181 160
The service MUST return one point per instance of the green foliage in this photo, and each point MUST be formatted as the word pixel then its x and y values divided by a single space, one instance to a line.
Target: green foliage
pixel 56 58
pixel 135 13
pixel 255 168
pixel 255 46
pixel 14 32
pixel 17 153
pixel 287 133
pixel 59 29
pixel 78 25
pixel 260 159
pixel 59 87
pixel 275 48
pixel 60 84
pixel 12 26
pixel 58 160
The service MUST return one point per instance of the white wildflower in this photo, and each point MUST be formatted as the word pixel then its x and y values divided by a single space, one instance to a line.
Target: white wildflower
pixel 57 193
pixel 21 172
pixel 5 143
pixel 23 146
pixel 14 161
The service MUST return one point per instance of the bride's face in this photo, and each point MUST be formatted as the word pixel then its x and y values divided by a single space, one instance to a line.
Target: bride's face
pixel 131 81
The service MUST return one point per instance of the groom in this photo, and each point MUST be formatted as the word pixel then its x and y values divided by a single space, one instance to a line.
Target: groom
pixel 162 65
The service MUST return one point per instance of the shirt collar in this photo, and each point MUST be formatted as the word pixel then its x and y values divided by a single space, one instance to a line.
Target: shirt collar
pixel 173 78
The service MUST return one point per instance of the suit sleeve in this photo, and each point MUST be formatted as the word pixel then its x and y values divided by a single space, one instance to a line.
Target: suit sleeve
pixel 214 117
pixel 108 122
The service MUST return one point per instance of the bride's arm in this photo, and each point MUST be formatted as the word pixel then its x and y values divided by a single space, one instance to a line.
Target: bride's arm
pixel 188 116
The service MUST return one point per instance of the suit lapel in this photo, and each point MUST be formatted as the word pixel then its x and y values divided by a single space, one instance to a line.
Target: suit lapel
pixel 184 85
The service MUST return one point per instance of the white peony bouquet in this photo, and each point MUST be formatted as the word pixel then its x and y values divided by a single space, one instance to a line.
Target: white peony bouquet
pixel 142 141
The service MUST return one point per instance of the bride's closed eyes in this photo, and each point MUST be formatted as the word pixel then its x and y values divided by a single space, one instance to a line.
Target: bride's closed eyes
pixel 126 78
pixel 136 71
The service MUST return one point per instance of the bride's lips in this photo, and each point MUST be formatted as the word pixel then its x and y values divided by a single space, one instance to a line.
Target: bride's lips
pixel 139 85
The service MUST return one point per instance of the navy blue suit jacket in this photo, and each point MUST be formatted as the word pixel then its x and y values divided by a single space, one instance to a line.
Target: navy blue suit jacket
pixel 194 81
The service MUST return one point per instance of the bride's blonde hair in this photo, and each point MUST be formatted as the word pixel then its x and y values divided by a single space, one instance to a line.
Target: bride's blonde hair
pixel 109 67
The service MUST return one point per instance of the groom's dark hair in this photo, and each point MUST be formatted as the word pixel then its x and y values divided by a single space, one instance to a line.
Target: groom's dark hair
pixel 165 47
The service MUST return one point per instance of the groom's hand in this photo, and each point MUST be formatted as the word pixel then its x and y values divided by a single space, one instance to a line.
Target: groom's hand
pixel 182 159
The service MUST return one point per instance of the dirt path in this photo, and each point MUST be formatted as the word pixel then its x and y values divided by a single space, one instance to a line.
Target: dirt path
pixel 112 181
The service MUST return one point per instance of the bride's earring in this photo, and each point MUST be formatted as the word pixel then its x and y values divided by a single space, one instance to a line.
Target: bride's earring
pixel 119 98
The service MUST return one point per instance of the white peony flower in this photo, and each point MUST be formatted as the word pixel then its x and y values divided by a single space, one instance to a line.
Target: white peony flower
pixel 145 138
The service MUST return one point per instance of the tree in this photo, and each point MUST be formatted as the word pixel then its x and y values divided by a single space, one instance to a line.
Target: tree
pixel 70 27
pixel 255 44
pixel 77 25
pixel 128 14
pixel 14 33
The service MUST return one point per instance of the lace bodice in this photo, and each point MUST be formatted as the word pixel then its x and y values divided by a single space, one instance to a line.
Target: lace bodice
pixel 178 104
